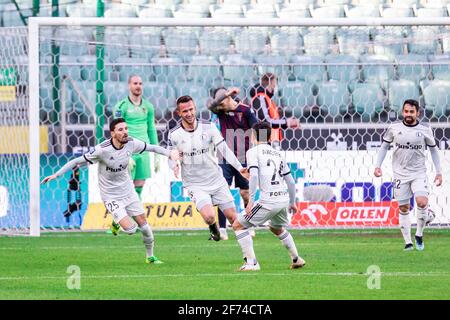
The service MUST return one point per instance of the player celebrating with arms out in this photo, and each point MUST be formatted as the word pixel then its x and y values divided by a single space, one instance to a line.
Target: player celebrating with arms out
pixel 116 187
pixel 269 169
pixel 410 172
pixel 198 141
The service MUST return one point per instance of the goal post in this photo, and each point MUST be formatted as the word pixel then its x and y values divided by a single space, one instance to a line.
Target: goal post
pixel 35 24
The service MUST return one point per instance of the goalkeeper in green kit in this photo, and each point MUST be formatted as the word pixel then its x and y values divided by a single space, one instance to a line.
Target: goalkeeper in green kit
pixel 139 115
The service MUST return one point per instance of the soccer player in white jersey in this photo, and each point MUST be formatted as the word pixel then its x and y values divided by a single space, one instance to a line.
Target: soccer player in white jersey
pixel 116 187
pixel 410 138
pixel 198 141
pixel 269 170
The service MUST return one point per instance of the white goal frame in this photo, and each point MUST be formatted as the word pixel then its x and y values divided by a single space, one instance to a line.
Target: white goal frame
pixel 34 24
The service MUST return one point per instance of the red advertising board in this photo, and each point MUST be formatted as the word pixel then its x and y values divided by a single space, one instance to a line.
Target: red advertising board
pixel 332 214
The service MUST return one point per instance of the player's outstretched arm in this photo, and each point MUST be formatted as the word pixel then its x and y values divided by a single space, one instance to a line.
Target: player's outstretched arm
pixel 380 158
pixel 68 166
pixel 437 165
pixel 230 157
pixel 173 154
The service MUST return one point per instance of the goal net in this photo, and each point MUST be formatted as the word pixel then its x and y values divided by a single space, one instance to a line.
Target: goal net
pixel 344 82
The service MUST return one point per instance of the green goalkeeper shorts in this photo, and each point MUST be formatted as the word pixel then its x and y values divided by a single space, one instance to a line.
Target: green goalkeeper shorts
pixel 141 170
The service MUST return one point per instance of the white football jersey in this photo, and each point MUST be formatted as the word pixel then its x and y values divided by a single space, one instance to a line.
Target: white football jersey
pixel 113 176
pixel 272 168
pixel 409 142
pixel 199 166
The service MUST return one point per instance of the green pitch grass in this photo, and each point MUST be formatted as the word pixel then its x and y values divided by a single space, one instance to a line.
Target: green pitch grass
pixel 195 268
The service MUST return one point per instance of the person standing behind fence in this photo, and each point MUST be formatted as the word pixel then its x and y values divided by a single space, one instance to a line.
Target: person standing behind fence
pixel 266 109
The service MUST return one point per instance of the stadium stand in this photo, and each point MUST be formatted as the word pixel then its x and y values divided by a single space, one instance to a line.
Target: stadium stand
pixel 335 70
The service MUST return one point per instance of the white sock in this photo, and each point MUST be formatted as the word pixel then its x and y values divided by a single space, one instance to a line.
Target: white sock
pixel 405 227
pixel 421 214
pixel 288 242
pixel 245 240
pixel 149 241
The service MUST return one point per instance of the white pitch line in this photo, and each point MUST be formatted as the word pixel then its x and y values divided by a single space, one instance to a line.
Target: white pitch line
pixel 237 274
pixel 232 244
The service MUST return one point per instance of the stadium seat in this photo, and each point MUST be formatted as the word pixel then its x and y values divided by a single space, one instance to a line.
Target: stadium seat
pixel 318 42
pixel 250 42
pixel 367 99
pixel 342 68
pixel 437 98
pixel 296 96
pixel 199 93
pixel 286 42
pixel 423 41
pixel 130 66
pixel 204 70
pixel 278 65
pixel 308 68
pixel 388 43
pixel 180 42
pixel 446 42
pixel 162 96
pixel 238 70
pixel 401 90
pixel 396 12
pixel 68 66
pixel 11 17
pixel 83 102
pixel 335 11
pixel 169 69
pixel 155 12
pixel 440 67
pixel 353 42
pixel 262 11
pixel 431 12
pixel 191 11
pixel 145 44
pixel 119 10
pixel 362 11
pixel 81 10
pixel 294 10
pixel 412 67
pixel 72 42
pixel 116 44
pixel 214 42
pixel 333 97
pixel 228 11
pixel 114 92
pixel 378 69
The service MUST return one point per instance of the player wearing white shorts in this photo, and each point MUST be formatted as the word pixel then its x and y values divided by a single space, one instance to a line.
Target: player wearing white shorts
pixel 410 139
pixel 116 187
pixel 198 142
pixel 269 170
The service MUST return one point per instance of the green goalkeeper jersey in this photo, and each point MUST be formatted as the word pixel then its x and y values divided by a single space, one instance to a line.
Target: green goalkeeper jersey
pixel 140 119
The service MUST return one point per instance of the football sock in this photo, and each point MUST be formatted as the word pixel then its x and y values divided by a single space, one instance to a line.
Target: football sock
pixel 405 226
pixel 147 234
pixel 139 191
pixel 421 220
pixel 222 220
pixel 245 240
pixel 288 242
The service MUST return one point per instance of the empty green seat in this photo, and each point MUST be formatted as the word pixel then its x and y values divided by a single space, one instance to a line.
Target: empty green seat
pixel 401 90
pixel 437 98
pixel 367 99
pixel 333 97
